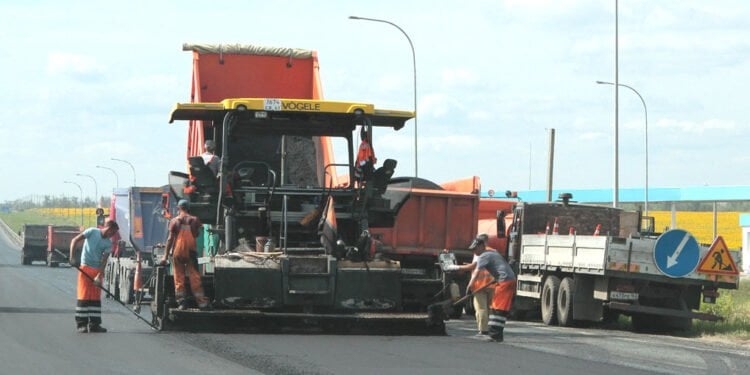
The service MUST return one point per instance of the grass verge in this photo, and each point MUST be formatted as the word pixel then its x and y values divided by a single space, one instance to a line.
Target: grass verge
pixel 16 220
pixel 734 306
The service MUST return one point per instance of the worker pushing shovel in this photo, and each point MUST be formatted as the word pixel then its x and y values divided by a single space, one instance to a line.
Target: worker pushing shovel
pixel 504 283
pixel 96 243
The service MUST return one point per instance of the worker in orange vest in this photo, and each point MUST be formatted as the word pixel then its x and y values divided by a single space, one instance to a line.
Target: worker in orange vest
pixel 482 297
pixel 503 289
pixel 183 230
pixel 365 164
pixel 96 248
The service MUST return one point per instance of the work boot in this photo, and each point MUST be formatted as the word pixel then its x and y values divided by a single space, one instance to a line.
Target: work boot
pixel 95 328
pixel 182 305
pixel 498 337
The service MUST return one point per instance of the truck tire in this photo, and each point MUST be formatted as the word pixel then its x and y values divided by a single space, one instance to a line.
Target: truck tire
pixel 679 324
pixel 25 260
pixel 549 300
pixel 565 297
pixel 644 322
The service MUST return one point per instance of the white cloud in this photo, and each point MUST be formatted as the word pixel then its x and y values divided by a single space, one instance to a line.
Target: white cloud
pixel 77 66
pixel 449 143
pixel 459 77
pixel 592 136
pixel 392 83
pixel 704 127
pixel 542 6
pixel 435 105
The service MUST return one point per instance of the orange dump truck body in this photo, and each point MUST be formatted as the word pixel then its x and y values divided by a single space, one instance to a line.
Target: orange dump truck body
pixel 246 71
pixel 430 221
pixel 59 238
pixel 444 217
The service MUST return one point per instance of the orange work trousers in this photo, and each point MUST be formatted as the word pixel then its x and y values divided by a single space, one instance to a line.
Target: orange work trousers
pixel 185 260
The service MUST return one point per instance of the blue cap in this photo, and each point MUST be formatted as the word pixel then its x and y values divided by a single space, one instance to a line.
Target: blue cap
pixel 183 203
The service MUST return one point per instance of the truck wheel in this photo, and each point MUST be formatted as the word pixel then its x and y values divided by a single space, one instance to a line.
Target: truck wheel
pixel 678 324
pixel 644 322
pixel 25 260
pixel 565 297
pixel 549 300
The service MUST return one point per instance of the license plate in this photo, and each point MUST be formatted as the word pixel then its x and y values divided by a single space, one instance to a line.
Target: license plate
pixel 413 271
pixel 626 296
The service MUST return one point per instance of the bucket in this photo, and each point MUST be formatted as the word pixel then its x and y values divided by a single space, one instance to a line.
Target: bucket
pixel 263 244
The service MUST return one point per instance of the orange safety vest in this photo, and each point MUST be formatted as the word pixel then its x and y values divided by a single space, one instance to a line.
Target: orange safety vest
pixel 364 155
pixel 184 243
pixel 483 278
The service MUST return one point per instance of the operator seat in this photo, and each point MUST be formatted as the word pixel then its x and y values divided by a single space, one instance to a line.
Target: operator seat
pixel 203 178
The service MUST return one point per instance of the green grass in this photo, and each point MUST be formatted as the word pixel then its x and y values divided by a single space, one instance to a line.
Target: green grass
pixel 734 306
pixel 17 219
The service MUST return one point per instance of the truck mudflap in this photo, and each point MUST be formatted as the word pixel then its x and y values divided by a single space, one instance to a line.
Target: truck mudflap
pixel 661 311
pixel 279 322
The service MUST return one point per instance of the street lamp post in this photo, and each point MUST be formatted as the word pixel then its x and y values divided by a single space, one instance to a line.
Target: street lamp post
pixel 81 202
pixel 96 187
pixel 131 167
pixel 645 112
pixel 414 68
pixel 117 178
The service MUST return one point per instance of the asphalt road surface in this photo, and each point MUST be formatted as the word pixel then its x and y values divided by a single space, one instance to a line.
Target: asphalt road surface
pixel 37 336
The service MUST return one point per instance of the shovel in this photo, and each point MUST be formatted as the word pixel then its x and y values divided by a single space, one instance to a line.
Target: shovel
pixel 438 312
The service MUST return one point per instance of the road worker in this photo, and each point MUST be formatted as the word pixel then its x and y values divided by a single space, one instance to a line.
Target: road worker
pixel 482 297
pixel 181 243
pixel 366 160
pixel 502 292
pixel 96 248
pixel 209 158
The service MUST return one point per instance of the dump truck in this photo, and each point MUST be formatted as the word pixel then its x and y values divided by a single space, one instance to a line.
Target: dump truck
pixel 141 217
pixel 580 262
pixel 437 217
pixel 34 239
pixel 58 239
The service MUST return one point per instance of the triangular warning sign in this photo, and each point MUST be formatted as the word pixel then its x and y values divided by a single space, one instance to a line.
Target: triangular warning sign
pixel 718 261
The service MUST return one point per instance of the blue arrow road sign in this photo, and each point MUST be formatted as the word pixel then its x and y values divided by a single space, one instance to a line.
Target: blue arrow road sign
pixel 676 253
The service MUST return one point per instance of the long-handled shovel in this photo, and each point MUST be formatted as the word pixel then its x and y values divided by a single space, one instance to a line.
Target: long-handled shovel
pixel 437 312
pixel 107 291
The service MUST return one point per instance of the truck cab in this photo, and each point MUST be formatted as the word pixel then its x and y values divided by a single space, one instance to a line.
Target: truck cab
pixel 277 181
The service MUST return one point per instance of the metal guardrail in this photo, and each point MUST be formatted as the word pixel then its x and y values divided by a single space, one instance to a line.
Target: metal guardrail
pixel 11 234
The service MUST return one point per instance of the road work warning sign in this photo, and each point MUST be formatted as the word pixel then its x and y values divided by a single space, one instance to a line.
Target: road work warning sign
pixel 718 261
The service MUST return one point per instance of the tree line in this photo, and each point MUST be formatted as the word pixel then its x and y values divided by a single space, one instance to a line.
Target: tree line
pixel 50 201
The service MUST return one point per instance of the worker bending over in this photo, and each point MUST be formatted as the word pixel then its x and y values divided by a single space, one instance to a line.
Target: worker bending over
pixel 96 248
pixel 503 290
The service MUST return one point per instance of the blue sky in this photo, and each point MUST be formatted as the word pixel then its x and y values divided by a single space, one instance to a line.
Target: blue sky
pixel 84 82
